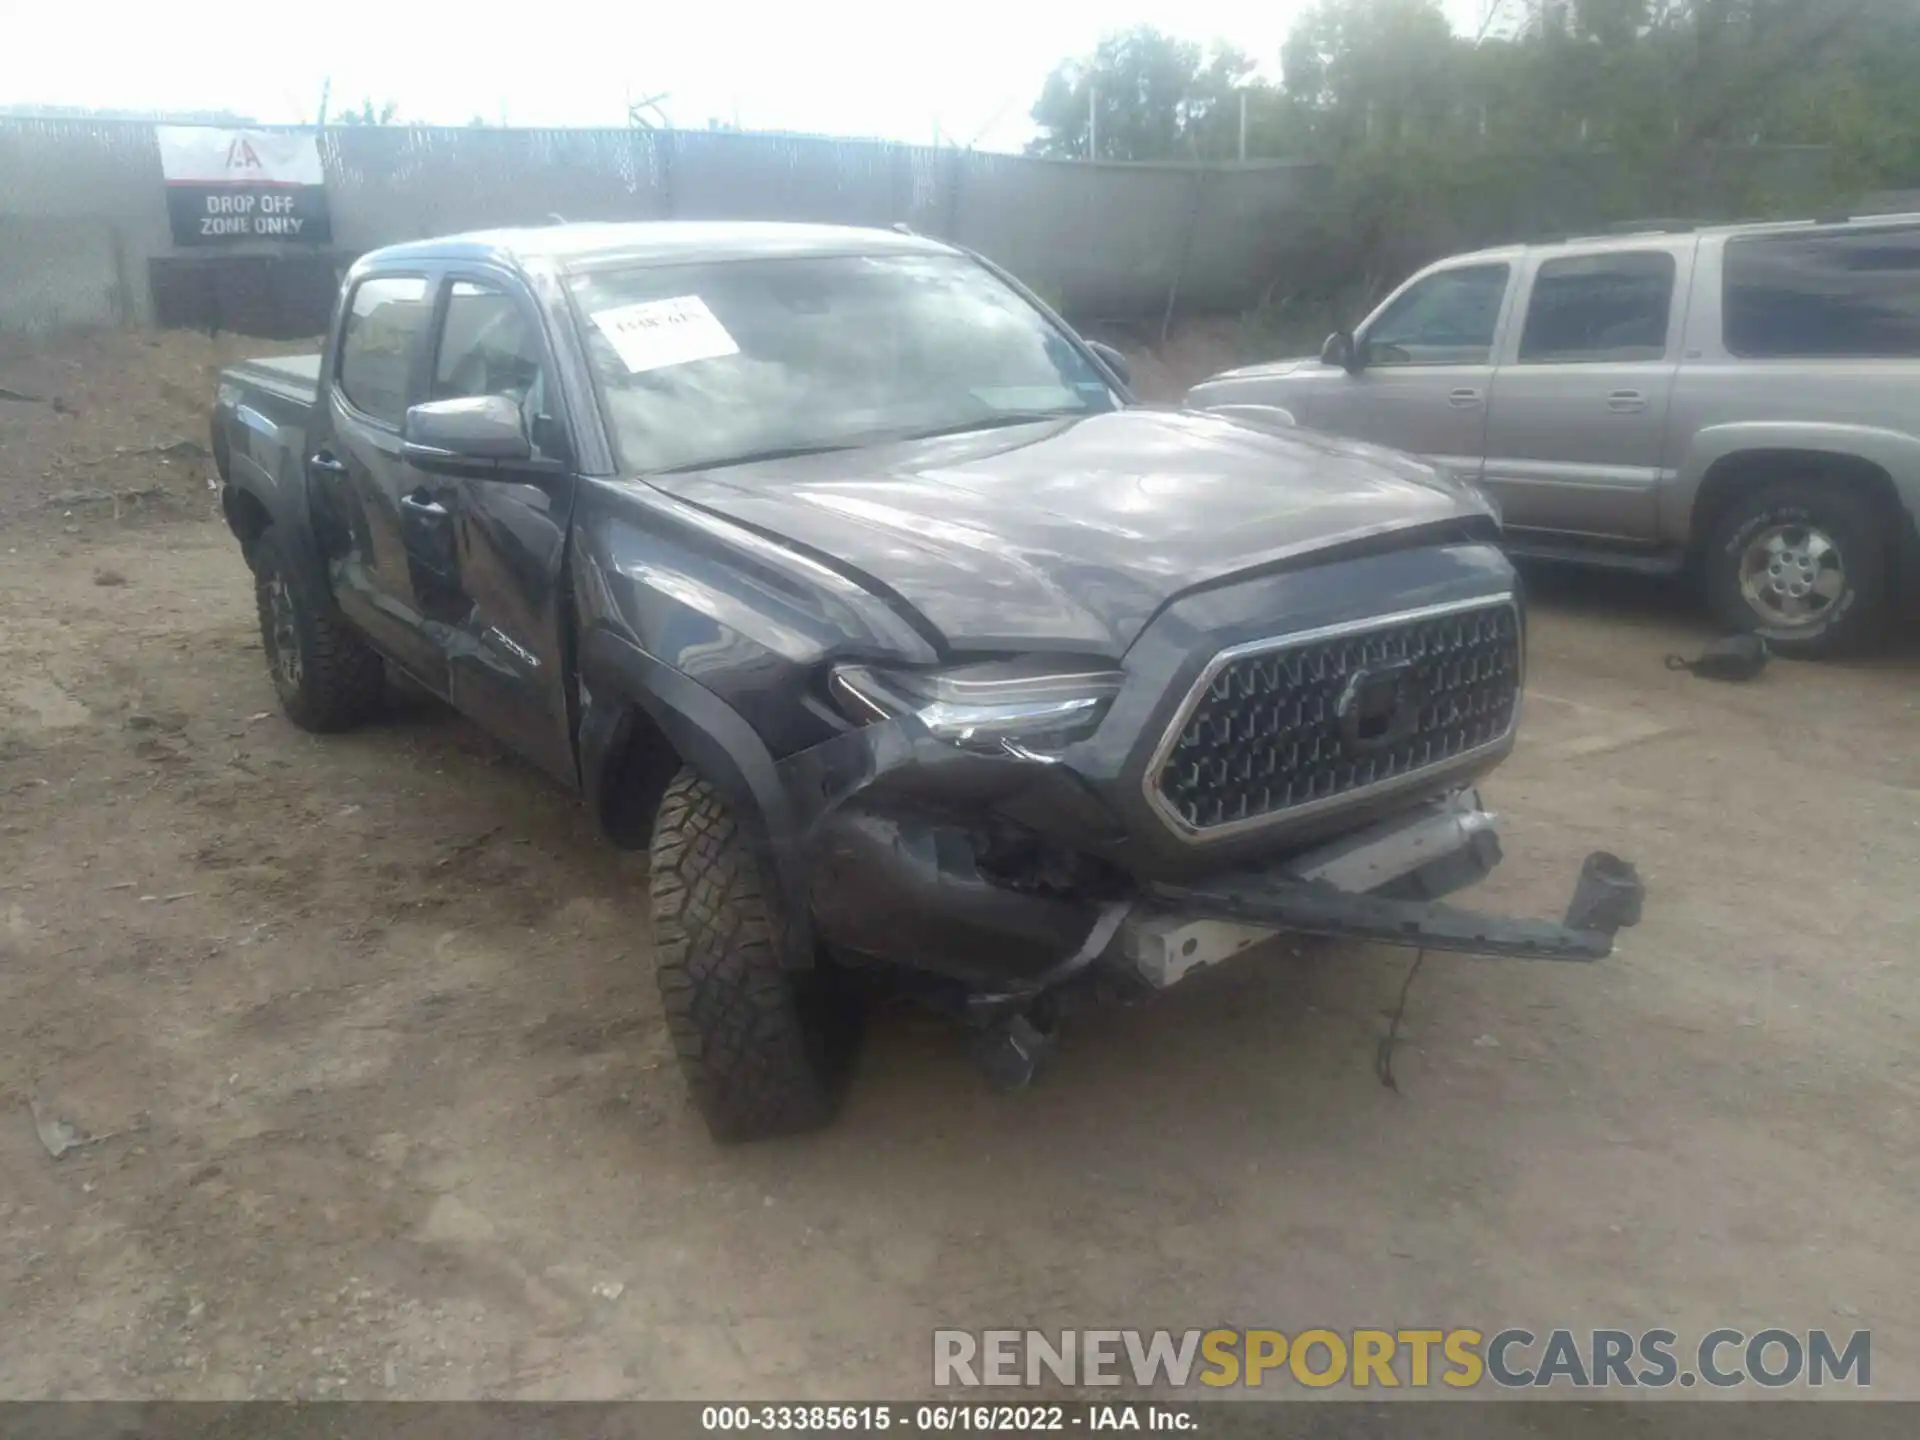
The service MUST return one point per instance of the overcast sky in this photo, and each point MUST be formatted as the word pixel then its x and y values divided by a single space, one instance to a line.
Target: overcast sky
pixel 842 67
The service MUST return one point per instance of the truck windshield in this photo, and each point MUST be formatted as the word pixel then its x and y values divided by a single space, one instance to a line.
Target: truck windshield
pixel 730 361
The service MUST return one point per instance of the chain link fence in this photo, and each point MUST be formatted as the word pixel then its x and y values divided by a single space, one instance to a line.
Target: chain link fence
pixel 84 237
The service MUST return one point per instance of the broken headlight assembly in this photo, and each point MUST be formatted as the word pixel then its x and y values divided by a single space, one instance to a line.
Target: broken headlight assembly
pixel 1027 708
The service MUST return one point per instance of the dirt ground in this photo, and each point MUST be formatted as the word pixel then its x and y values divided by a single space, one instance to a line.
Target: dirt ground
pixel 366 1030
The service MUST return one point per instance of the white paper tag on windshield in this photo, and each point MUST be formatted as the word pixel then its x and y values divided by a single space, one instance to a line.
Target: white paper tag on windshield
pixel 657 333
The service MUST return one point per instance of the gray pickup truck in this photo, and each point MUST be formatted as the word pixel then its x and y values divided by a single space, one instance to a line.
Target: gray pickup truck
pixel 831 568
pixel 1741 398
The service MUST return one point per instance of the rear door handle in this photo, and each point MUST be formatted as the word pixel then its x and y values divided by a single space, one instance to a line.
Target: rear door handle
pixel 422 504
pixel 326 463
pixel 1463 399
pixel 1625 402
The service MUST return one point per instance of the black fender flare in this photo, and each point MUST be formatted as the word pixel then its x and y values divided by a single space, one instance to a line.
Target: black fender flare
pixel 282 495
pixel 707 733
pixel 287 518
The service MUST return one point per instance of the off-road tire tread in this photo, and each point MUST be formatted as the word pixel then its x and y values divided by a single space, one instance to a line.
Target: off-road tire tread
pixel 343 679
pixel 754 1060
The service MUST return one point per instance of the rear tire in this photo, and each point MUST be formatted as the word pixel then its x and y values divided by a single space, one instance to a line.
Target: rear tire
pixel 1804 564
pixel 326 676
pixel 764 1043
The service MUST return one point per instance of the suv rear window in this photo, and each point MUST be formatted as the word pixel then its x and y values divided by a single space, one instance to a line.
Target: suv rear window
pixel 1838 294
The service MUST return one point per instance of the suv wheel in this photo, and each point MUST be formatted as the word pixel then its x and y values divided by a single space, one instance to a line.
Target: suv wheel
pixel 764 1045
pixel 1803 564
pixel 326 676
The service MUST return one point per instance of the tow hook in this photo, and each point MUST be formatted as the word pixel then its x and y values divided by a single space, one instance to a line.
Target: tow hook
pixel 1011 1050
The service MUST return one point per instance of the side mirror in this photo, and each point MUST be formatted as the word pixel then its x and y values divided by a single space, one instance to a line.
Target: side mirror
pixel 461 435
pixel 1340 350
pixel 1113 360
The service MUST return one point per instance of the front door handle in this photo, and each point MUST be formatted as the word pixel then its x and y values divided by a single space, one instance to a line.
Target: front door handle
pixel 327 463
pixel 1464 399
pixel 1626 402
pixel 420 503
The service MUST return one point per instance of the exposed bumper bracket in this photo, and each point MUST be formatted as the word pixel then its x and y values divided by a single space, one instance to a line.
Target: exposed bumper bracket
pixel 1606 899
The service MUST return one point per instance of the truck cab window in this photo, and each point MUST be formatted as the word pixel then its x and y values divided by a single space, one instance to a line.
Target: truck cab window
pixel 1599 308
pixel 384 319
pixel 1445 319
pixel 487 346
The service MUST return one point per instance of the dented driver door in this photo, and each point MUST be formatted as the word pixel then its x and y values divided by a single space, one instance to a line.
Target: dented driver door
pixel 506 534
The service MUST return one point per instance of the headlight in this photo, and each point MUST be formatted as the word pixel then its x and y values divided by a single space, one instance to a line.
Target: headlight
pixel 1002 707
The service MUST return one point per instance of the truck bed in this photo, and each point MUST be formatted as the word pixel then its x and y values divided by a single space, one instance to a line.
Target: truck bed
pixel 297 377
pixel 261 414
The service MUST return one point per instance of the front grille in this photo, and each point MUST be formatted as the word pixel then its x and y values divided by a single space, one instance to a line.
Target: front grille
pixel 1263 733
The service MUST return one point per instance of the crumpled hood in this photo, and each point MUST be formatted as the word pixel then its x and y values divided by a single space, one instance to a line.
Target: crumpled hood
pixel 1070 535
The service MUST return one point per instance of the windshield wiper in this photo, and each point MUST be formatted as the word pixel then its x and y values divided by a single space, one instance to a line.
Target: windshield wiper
pixel 751 457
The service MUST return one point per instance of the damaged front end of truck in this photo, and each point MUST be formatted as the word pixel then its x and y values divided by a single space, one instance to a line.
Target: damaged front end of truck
pixel 1021 835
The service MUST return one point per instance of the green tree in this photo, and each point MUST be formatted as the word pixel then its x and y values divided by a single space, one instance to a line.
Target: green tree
pixel 1148 96
pixel 1556 115
pixel 1370 71
pixel 367 115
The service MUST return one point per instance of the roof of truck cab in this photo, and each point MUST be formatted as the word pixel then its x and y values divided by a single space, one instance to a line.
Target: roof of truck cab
pixel 592 245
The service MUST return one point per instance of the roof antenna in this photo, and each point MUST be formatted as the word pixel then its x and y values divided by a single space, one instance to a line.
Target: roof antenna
pixel 901 227
pixel 554 217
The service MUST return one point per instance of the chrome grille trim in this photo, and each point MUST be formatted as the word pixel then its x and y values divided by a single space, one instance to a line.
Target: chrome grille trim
pixel 1426 774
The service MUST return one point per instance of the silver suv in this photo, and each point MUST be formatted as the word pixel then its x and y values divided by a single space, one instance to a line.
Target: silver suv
pixel 1746 396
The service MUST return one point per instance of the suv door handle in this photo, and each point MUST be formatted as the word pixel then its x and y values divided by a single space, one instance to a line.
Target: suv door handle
pixel 422 504
pixel 1625 402
pixel 325 462
pixel 1463 399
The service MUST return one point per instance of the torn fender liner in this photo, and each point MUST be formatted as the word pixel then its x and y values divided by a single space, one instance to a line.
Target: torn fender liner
pixel 907 886
pixel 1606 899
pixel 889 862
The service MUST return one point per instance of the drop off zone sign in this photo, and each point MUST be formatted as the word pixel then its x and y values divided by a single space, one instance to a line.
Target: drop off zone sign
pixel 226 185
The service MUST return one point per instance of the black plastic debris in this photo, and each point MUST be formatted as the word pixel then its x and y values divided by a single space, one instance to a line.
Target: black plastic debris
pixel 1737 657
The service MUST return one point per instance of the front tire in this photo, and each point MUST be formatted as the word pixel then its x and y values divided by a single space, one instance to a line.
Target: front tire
pixel 1803 564
pixel 326 676
pixel 764 1043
